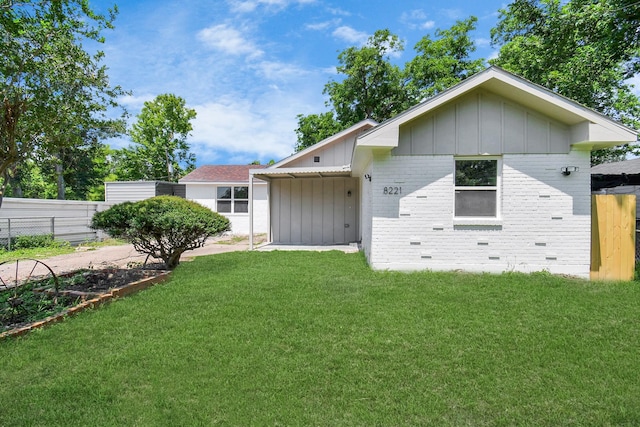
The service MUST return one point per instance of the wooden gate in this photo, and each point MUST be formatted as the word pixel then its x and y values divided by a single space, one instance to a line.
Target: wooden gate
pixel 613 231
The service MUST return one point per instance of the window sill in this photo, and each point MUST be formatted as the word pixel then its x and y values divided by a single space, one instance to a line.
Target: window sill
pixel 478 221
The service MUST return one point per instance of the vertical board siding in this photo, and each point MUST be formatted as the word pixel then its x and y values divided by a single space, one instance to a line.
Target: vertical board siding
pixel 482 123
pixel 613 237
pixel 315 211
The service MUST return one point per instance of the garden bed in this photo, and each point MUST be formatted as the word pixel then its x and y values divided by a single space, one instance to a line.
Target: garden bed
pixel 40 302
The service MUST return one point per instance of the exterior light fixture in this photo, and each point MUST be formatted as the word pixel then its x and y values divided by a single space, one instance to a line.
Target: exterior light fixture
pixel 566 171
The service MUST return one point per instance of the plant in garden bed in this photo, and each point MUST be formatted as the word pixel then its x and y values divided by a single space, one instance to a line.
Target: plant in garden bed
pixel 24 304
pixel 163 227
pixel 40 298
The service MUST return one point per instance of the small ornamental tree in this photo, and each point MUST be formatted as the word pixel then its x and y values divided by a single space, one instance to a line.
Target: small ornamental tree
pixel 163 226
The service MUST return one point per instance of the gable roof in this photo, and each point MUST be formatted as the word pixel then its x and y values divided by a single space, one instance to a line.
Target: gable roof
pixel 359 127
pixel 589 129
pixel 220 173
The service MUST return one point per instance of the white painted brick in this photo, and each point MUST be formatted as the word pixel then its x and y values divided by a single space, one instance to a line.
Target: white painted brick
pixel 533 193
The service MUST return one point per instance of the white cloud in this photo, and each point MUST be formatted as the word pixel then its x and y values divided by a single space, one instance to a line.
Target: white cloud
pixel 274 70
pixel 427 25
pixel 483 42
pixel 229 40
pixel 635 81
pixel 417 19
pixel 242 127
pixel 246 6
pixel 453 13
pixel 132 102
pixel 350 35
pixel 339 12
pixel 323 25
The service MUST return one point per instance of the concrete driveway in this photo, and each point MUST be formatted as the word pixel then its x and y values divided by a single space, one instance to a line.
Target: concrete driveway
pixel 109 256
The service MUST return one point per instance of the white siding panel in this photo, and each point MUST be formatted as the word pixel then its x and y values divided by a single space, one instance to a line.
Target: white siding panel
pixel 514 129
pixel 537 132
pixel 491 125
pixel 337 153
pixel 468 127
pixel 318 211
pixel 445 130
pixel 306 199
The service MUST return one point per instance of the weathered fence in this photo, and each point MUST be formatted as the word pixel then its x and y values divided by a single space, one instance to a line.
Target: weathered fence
pixel 613 232
pixel 64 219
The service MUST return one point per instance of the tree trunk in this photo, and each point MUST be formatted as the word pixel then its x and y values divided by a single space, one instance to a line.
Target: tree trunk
pixel 173 260
pixel 60 176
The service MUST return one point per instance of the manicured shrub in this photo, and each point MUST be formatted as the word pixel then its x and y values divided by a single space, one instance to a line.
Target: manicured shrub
pixel 163 226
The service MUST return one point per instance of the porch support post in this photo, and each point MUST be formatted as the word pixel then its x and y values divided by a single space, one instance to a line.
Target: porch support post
pixel 250 211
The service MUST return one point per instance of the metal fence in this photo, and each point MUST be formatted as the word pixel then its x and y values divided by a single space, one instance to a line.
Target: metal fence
pixel 74 230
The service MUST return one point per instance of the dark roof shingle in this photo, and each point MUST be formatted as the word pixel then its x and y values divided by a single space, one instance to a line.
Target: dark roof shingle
pixel 617 168
pixel 221 173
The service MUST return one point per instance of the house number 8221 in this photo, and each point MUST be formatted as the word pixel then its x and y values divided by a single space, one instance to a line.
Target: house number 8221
pixel 391 191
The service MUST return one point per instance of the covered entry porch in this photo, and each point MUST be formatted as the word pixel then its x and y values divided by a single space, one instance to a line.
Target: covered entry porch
pixel 310 206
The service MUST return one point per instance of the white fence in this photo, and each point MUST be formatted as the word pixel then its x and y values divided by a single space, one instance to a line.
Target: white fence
pixel 65 219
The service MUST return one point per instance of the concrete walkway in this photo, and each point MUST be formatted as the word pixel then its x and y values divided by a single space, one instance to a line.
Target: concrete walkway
pixel 108 256
pixel 123 256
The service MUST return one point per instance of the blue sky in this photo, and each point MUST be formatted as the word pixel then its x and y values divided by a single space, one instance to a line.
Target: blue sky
pixel 248 67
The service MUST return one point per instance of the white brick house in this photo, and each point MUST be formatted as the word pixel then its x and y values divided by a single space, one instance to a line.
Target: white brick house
pixel 490 175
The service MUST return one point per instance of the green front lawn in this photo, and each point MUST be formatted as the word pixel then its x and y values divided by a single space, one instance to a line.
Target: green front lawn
pixel 304 338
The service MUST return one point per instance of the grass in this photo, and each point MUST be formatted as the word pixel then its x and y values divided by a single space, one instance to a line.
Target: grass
pixel 59 248
pixel 304 338
pixel 34 253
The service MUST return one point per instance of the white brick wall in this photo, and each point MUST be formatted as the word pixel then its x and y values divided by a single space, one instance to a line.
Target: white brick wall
pixel 545 219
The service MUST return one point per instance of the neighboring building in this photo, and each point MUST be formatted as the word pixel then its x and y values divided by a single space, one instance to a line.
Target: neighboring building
pixel 618 178
pixel 133 191
pixel 490 175
pixel 225 189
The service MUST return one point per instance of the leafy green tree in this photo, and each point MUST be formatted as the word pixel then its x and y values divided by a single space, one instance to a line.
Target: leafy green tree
pixel 163 226
pixel 583 49
pixel 160 135
pixel 444 61
pixel 314 128
pixel 49 85
pixel 374 88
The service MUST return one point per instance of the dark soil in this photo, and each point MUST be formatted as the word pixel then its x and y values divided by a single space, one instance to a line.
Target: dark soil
pixel 37 299
pixel 100 281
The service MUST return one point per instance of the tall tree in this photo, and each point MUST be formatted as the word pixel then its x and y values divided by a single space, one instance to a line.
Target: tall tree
pixel 43 67
pixel 444 61
pixel 160 135
pixel 373 87
pixel 583 49
pixel 314 128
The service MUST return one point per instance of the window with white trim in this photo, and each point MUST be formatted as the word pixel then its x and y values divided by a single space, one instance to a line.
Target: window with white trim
pixel 476 187
pixel 232 199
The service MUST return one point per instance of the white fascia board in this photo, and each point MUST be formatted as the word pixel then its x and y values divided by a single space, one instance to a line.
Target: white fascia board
pixel 589 135
pixel 522 91
pixel 367 123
